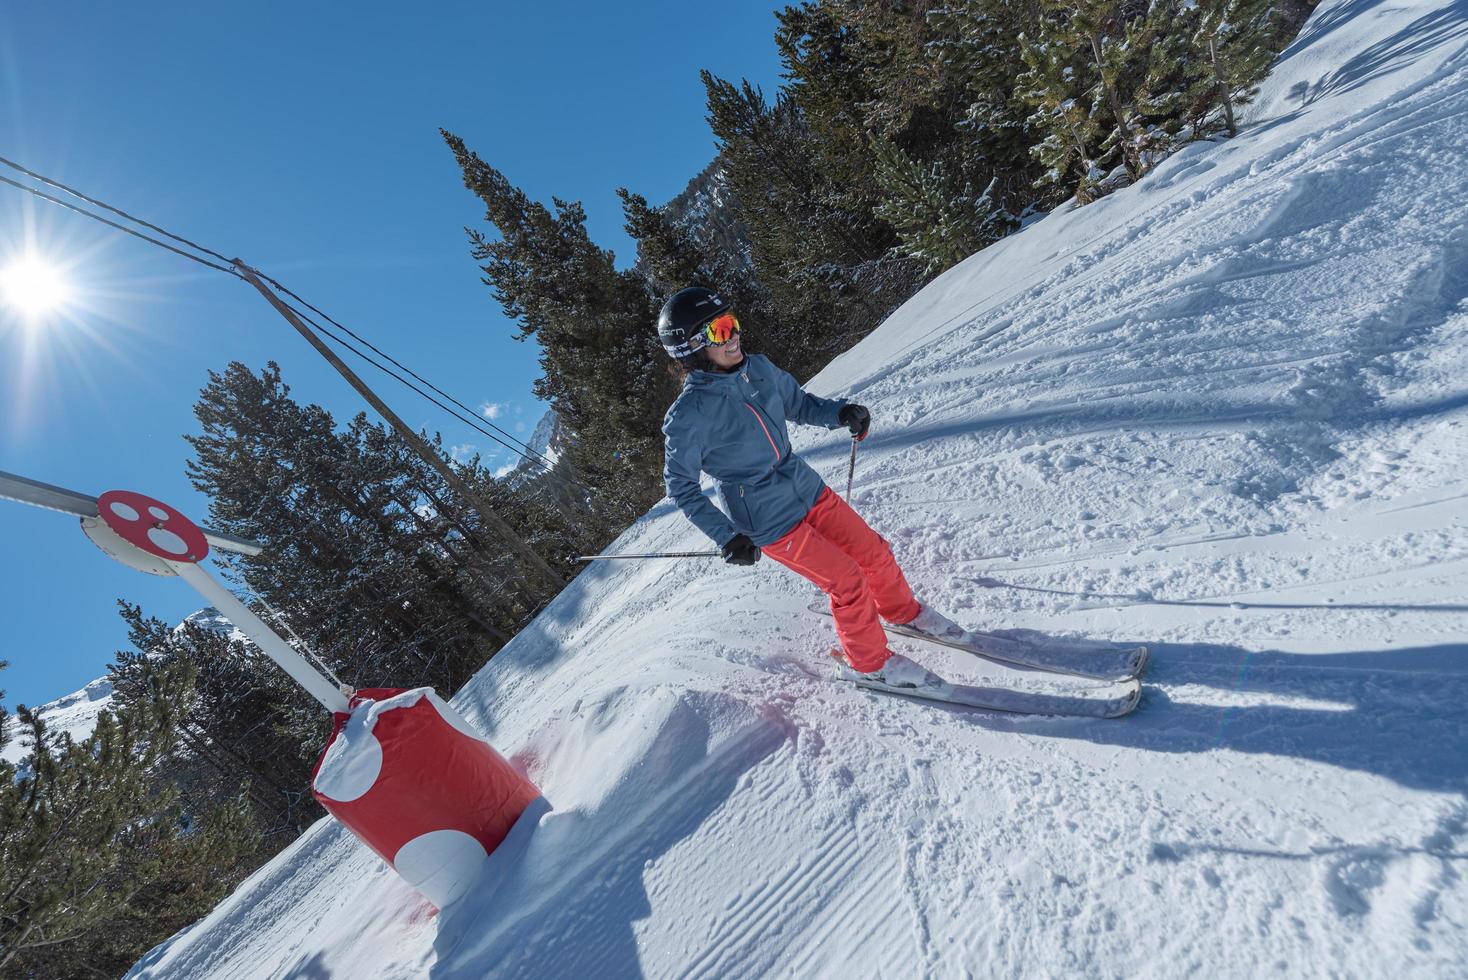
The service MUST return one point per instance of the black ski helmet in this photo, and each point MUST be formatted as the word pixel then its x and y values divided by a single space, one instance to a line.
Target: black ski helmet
pixel 680 324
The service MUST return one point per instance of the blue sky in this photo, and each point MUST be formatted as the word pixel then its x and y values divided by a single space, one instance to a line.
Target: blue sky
pixel 302 138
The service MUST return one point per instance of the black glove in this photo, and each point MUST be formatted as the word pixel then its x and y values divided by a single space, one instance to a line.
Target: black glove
pixel 741 551
pixel 857 419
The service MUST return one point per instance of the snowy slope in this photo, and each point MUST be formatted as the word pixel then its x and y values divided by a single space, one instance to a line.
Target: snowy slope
pixel 1222 412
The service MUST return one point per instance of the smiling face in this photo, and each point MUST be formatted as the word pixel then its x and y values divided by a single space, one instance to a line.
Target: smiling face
pixel 728 356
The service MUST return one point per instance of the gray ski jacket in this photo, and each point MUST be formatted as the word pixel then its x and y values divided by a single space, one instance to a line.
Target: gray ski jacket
pixel 733 427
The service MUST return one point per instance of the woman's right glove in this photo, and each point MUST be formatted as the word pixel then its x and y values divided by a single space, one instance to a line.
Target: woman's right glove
pixel 857 419
pixel 741 551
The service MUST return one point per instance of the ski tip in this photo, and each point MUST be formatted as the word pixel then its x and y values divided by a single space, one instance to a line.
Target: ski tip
pixel 1128 705
pixel 1141 658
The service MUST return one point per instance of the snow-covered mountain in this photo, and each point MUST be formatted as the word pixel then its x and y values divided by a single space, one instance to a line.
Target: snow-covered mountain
pixel 1222 412
pixel 542 451
pixel 76 713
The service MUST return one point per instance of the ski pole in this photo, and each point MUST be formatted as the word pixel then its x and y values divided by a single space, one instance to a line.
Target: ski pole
pixel 851 470
pixel 660 554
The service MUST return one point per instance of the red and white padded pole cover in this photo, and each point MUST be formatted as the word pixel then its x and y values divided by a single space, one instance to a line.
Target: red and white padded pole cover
pixel 411 777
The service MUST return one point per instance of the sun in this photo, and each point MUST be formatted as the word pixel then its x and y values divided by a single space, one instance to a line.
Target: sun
pixel 34 287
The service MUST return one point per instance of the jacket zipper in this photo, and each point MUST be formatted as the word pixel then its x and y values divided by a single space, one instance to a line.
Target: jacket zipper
pixel 766 430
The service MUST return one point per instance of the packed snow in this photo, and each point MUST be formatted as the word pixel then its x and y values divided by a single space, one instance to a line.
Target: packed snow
pixel 1222 413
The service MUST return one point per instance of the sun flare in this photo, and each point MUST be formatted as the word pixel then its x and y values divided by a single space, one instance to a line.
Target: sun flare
pixel 33 286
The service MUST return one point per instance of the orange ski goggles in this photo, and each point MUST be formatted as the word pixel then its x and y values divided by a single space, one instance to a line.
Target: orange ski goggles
pixel 721 329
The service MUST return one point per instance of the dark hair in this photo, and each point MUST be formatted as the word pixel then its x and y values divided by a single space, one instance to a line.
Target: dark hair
pixel 681 369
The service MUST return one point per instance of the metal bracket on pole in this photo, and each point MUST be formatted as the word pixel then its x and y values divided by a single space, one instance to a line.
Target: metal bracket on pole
pixel 265 638
pixel 150 536
pixel 39 494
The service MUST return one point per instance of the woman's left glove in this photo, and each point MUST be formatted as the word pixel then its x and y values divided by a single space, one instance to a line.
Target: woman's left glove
pixel 857 419
pixel 741 551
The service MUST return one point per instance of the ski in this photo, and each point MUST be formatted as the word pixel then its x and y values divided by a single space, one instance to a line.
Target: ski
pixel 1013 702
pixel 1076 658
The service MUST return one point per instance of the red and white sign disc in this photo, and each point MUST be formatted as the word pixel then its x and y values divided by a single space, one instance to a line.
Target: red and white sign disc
pixel 152 526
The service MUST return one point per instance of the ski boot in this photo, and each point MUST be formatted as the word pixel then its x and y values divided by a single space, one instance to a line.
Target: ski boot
pixel 897 671
pixel 932 623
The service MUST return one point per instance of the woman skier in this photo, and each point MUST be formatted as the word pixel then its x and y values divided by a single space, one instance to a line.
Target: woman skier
pixel 730 421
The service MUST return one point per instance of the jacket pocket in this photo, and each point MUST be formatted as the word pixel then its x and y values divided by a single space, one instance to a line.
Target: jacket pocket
pixel 738 507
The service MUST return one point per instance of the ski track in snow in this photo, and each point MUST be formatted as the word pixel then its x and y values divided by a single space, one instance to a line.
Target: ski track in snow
pixel 1222 413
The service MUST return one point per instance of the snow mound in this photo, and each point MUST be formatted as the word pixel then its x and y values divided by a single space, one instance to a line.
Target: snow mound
pixel 1222 412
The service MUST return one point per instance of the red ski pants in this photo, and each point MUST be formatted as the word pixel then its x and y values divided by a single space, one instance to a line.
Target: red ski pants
pixel 834 548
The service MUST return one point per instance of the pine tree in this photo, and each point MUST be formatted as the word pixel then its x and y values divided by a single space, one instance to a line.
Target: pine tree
pixel 669 258
pixel 382 569
pixel 828 59
pixel 4 717
pixel 802 167
pixel 938 225
pixel 1092 78
pixel 102 856
pixel 174 869
pixel 1055 84
pixel 601 362
pixel 1234 44
pixel 76 814
pixel 1104 35
pixel 977 40
pixel 248 729
pixel 1165 96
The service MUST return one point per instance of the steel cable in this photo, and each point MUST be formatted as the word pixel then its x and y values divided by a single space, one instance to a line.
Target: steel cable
pixel 469 416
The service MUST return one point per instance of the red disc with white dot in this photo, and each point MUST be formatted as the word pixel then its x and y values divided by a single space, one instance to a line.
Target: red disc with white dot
pixel 152 526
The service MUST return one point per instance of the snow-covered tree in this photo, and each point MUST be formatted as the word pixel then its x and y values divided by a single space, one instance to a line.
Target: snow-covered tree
pixel 938 224
pixel 1112 42
pixel 1055 85
pixel 99 859
pixel 976 40
pixel 1234 44
pixel 1164 94
pixel 1108 83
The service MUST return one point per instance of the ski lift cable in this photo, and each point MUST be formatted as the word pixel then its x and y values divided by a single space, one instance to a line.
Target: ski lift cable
pixel 466 415
pixel 467 419
pixel 524 453
pixel 528 453
pixel 327 317
pixel 118 211
pixel 107 221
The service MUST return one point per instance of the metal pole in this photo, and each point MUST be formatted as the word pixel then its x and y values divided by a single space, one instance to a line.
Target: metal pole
pixel 660 554
pixel 432 458
pixel 851 470
pixel 274 647
pixel 38 494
